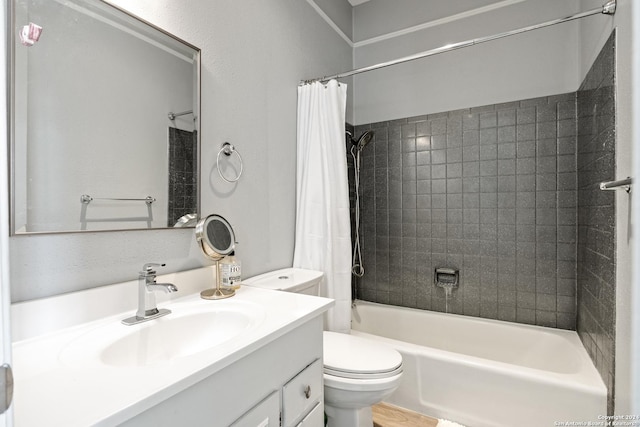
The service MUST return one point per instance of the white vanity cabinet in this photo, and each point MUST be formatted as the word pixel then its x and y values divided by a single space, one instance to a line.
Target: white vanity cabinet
pixel 265 388
pixel 269 374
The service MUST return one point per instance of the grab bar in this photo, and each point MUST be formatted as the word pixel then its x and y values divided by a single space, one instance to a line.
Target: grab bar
pixel 86 199
pixel 625 184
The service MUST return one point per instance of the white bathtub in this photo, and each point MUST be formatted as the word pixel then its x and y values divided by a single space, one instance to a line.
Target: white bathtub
pixel 486 373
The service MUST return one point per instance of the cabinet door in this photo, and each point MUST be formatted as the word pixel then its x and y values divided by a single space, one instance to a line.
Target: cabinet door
pixel 264 414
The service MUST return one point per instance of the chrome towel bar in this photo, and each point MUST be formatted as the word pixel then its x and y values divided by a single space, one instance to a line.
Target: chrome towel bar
pixel 625 184
pixel 86 199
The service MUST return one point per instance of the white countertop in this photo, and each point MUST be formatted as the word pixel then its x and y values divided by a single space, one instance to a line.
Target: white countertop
pixel 70 391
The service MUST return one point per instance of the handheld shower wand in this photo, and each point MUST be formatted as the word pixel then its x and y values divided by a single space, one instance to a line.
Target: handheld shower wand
pixel 357 266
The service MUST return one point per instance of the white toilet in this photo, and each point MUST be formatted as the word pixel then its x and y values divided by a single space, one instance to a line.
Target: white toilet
pixel 357 372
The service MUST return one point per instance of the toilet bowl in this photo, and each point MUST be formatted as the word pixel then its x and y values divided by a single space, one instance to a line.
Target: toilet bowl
pixel 357 372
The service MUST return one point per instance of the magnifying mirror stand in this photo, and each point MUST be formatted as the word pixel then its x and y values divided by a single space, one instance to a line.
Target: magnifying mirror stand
pixel 216 239
pixel 218 292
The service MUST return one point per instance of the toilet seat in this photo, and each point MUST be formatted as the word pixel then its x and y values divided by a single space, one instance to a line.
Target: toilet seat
pixel 348 356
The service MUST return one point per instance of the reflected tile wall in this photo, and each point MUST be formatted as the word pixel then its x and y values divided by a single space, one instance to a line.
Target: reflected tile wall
pixel 183 169
pixel 491 191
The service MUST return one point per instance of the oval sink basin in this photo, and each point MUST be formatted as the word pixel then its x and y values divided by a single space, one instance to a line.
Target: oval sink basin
pixel 184 332
pixel 168 338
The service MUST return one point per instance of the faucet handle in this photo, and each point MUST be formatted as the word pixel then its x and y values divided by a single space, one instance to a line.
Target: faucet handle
pixel 147 269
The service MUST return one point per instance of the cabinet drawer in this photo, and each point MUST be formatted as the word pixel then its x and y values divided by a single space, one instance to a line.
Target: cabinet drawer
pixel 264 414
pixel 302 393
pixel 315 418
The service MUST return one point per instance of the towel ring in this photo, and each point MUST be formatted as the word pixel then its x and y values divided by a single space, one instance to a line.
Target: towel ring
pixel 228 149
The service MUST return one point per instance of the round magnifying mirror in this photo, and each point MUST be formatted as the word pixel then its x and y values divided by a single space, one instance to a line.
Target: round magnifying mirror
pixel 217 240
pixel 215 236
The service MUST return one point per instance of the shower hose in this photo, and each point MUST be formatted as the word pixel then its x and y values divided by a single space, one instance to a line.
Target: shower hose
pixel 357 268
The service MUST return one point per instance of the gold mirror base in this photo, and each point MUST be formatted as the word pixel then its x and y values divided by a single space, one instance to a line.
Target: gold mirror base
pixel 217 293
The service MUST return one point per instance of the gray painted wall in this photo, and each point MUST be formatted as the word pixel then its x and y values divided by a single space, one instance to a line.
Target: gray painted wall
pixel 340 12
pixel 253 56
pixel 378 17
pixel 521 67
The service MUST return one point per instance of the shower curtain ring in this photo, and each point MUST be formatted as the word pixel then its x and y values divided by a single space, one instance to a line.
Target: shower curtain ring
pixel 228 149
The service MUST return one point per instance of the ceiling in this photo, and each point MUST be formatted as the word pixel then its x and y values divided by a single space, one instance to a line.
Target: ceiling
pixel 357 2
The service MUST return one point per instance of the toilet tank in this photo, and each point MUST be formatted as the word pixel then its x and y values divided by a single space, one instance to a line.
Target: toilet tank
pixel 297 280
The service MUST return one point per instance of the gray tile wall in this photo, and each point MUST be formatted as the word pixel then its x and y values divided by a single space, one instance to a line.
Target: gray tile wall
pixel 490 191
pixel 596 215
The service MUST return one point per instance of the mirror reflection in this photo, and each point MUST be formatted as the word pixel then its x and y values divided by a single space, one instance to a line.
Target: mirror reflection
pixel 105 127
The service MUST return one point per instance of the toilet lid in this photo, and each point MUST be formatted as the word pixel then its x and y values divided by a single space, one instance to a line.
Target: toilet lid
pixel 350 356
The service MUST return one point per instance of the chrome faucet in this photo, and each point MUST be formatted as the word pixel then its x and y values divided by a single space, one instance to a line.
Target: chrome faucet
pixel 147 285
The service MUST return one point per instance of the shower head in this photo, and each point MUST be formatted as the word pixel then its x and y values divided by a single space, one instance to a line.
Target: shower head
pixel 364 139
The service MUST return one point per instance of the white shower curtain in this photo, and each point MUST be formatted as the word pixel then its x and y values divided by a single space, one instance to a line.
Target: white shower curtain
pixel 323 228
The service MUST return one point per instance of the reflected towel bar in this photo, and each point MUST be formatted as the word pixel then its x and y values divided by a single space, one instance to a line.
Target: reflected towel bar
pixel 624 184
pixel 86 199
pixel 172 116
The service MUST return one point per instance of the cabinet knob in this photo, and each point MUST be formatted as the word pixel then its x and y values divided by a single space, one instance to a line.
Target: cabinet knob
pixel 307 391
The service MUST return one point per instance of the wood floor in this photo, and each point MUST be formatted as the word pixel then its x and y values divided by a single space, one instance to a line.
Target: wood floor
pixel 385 415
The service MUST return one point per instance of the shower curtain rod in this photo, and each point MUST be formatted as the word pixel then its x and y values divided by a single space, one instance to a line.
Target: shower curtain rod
pixel 608 8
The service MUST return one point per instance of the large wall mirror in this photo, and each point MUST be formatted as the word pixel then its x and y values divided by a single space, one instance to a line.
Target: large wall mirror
pixel 105 126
